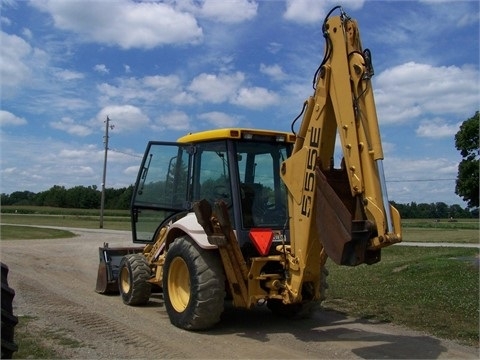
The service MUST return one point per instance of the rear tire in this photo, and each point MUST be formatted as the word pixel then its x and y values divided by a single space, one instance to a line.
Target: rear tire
pixel 8 319
pixel 193 285
pixel 133 280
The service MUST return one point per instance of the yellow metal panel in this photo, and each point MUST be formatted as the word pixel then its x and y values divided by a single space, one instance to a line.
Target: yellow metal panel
pixel 232 133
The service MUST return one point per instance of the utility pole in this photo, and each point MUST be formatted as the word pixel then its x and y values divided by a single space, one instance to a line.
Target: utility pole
pixel 105 141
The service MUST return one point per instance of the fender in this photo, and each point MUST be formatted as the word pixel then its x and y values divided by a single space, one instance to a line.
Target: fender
pixel 188 225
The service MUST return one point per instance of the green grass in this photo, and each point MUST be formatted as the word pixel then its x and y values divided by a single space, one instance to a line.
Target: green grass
pixel 440 235
pixel 30 209
pixel 12 232
pixel 441 223
pixel 78 221
pixel 65 217
pixel 36 343
pixel 428 230
pixel 429 289
pixel 30 346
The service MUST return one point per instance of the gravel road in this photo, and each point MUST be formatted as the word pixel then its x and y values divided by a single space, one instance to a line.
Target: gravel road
pixel 54 282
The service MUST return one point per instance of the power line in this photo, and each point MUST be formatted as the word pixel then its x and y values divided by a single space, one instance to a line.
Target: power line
pixel 420 180
pixel 125 153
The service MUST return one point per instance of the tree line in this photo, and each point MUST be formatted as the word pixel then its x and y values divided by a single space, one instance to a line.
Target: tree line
pixel 438 210
pixel 88 197
pixel 79 197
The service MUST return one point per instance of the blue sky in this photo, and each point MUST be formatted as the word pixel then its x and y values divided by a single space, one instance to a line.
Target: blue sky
pixel 160 69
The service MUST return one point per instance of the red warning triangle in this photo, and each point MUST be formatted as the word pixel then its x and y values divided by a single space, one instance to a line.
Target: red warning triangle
pixel 262 239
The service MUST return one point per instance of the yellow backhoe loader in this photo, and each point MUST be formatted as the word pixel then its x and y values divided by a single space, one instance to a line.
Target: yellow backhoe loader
pixel 250 215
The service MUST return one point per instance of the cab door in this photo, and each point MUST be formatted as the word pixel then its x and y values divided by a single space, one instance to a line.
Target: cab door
pixel 161 191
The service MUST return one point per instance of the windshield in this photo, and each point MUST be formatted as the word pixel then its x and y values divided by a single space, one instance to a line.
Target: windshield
pixel 263 194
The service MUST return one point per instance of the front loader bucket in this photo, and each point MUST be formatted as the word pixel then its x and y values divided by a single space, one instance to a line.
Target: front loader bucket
pixel 109 265
pixel 104 286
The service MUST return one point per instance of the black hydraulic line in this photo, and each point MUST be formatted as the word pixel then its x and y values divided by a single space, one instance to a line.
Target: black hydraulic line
pixel 298 116
pixel 328 50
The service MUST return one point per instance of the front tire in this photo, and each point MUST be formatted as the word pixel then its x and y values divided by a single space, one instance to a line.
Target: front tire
pixel 193 285
pixel 133 280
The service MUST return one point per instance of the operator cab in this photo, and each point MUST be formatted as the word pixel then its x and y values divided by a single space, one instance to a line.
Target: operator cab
pixel 239 166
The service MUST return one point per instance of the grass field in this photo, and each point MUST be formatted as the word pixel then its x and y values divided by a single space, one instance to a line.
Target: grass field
pixel 46 210
pixel 429 289
pixel 30 347
pixel 435 290
pixel 445 224
pixel 14 232
pixel 84 221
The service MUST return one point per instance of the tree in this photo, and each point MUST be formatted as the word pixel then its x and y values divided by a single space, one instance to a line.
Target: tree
pixel 55 196
pixel 18 198
pixel 466 141
pixel 82 197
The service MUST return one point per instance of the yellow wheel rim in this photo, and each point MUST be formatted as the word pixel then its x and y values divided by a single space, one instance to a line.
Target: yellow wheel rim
pixel 179 284
pixel 125 280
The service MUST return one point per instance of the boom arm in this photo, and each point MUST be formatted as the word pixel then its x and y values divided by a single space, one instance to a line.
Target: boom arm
pixel 343 213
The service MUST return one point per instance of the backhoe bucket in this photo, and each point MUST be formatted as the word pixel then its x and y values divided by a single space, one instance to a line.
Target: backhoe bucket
pixel 109 265
pixel 345 241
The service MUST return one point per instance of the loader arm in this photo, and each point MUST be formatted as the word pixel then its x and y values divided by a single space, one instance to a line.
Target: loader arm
pixel 343 213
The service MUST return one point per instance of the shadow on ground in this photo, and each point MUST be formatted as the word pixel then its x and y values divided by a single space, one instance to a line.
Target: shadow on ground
pixel 330 327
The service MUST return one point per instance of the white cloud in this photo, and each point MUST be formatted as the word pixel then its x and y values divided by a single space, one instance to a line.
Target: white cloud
pixel 67 75
pixel 404 92
pixel 427 179
pixel 5 21
pixel 175 120
pixel 38 166
pixel 458 15
pixel 27 33
pixel 159 82
pixel 146 89
pixel 218 119
pixel 69 126
pixel 7 118
pixel 183 98
pixel 124 23
pixel 124 118
pixel 101 68
pixel 274 71
pixel 419 168
pixel 228 88
pixel 232 11
pixel 313 11
pixel 73 153
pixel 437 128
pixel 304 11
pixel 14 70
pixel 255 98
pixel 131 171
pixel 274 47
pixel 216 88
pixel 124 156
pixel 81 170
pixel 9 170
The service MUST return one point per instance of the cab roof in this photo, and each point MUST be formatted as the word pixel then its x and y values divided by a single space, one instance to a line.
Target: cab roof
pixel 236 133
